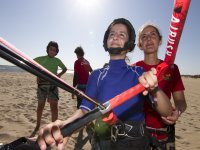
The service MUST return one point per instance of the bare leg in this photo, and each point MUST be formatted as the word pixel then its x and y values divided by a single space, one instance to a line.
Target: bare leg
pixel 40 109
pixel 54 110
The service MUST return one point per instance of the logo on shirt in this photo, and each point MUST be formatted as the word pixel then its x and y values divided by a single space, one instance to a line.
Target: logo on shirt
pixel 167 77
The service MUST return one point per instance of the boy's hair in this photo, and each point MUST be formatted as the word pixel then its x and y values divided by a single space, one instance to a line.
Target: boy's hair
pixel 53 44
pixel 79 51
pixel 141 29
pixel 131 31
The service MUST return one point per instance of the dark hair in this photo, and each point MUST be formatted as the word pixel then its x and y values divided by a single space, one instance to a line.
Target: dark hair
pixel 79 51
pixel 131 31
pixel 53 44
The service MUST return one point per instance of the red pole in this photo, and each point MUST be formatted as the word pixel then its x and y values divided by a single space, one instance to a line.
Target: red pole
pixel 176 27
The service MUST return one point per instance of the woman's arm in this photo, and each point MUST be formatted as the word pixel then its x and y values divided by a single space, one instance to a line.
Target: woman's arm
pixel 162 103
pixel 62 72
pixel 179 101
pixel 149 81
pixel 178 109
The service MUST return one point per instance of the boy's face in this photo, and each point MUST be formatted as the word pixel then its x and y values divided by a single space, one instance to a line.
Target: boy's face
pixel 52 51
pixel 118 36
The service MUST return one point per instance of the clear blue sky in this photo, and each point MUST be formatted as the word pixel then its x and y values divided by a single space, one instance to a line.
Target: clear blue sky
pixel 30 24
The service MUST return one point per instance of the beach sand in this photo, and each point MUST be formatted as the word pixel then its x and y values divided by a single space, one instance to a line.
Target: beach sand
pixel 18 104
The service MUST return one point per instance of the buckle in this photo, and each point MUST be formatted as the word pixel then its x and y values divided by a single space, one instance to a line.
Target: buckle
pixel 168 129
pixel 134 131
pixel 126 130
pixel 116 131
pixel 128 127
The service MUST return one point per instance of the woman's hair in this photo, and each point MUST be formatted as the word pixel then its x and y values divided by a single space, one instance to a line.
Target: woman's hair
pixel 141 29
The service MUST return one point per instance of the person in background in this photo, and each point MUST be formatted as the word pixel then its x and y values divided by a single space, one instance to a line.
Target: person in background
pixel 129 133
pixel 82 70
pixel 46 91
pixel 161 128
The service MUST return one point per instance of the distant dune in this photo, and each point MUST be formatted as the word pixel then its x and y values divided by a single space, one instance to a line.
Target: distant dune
pixel 191 76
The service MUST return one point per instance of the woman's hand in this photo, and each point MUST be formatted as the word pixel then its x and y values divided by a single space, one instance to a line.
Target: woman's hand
pixel 149 80
pixel 173 118
pixel 51 135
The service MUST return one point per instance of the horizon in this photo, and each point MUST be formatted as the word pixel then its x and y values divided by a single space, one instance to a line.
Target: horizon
pixel 71 71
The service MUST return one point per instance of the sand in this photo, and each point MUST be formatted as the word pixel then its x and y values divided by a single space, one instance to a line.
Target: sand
pixel 18 104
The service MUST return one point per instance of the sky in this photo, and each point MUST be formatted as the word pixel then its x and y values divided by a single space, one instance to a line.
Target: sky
pixel 29 25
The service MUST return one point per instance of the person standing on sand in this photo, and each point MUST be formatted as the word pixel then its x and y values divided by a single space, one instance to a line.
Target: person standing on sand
pixel 82 70
pixel 45 90
pixel 162 129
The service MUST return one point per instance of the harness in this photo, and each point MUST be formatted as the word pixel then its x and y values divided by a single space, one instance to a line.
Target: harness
pixel 163 143
pixel 129 129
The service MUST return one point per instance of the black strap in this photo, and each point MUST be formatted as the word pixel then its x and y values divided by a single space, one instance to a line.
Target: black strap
pixel 21 144
pixel 155 144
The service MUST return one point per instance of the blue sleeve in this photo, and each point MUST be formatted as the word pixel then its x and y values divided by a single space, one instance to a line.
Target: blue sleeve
pixel 139 70
pixel 91 90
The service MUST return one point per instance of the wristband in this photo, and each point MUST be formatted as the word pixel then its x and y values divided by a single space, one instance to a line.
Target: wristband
pixel 156 89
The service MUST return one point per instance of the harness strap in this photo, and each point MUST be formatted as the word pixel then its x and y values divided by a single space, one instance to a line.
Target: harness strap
pixel 160 144
pixel 165 130
pixel 134 130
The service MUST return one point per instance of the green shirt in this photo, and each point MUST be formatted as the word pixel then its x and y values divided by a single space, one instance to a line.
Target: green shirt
pixel 50 63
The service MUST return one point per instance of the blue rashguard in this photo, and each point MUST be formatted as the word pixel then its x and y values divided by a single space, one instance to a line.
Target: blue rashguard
pixel 106 83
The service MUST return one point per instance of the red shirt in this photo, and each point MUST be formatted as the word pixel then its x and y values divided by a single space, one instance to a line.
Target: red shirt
pixel 82 69
pixel 171 82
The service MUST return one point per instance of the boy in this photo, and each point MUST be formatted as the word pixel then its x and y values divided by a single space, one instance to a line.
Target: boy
pixel 45 90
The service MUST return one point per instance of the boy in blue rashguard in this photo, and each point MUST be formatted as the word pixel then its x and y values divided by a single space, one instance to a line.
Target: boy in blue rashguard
pixel 104 84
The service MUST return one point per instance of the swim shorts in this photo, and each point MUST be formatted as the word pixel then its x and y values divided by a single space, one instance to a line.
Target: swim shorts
pixel 47 92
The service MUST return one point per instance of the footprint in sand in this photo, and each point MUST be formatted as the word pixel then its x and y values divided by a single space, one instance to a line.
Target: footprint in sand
pixel 178 137
pixel 4 136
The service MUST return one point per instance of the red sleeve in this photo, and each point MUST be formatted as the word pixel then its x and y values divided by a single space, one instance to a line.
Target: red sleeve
pixel 176 79
pixel 76 66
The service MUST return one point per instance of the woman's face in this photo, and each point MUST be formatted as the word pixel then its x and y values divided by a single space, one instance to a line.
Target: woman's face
pixel 118 36
pixel 149 40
